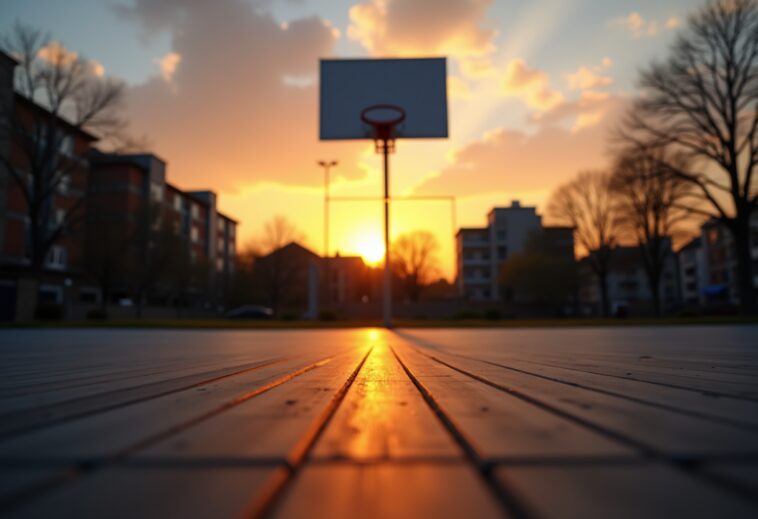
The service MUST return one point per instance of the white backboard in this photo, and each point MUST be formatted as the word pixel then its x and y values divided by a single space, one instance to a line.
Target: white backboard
pixel 418 85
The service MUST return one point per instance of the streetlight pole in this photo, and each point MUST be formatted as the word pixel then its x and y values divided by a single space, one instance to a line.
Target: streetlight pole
pixel 326 165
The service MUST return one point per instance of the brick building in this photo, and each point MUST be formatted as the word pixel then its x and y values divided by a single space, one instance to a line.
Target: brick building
pixel 20 274
pixel 181 248
pixel 128 235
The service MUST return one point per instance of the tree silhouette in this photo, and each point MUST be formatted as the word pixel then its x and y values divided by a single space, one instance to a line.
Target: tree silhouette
pixel 71 97
pixel 414 261
pixel 538 276
pixel 649 201
pixel 277 233
pixel 586 204
pixel 703 101
pixel 279 270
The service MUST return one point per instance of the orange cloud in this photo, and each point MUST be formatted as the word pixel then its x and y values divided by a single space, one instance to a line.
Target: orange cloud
pixel 241 108
pixel 509 161
pixel 56 54
pixel 531 85
pixel 457 87
pixel 588 110
pixel 414 27
pixel 168 64
pixel 97 68
pixel 586 78
pixel 636 24
pixel 639 27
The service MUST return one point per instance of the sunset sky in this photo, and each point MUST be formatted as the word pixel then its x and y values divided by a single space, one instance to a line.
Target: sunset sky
pixel 226 92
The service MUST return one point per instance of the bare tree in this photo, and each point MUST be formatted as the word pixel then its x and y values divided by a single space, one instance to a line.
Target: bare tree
pixel 703 101
pixel 586 204
pixel 277 233
pixel 70 98
pixel 414 260
pixel 649 204
pixel 277 271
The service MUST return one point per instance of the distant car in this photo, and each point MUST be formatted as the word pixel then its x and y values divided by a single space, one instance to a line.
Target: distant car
pixel 250 312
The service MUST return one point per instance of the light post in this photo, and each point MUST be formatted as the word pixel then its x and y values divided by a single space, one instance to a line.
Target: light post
pixel 326 165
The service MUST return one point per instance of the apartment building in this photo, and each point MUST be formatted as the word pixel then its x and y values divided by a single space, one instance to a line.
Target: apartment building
pixel 691 264
pixel 708 265
pixel 628 288
pixel 131 191
pixel 481 251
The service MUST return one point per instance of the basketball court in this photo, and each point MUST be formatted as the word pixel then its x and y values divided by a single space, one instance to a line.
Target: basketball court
pixel 623 422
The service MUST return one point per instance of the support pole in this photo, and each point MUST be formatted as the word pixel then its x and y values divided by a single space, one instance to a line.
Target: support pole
pixel 327 165
pixel 387 307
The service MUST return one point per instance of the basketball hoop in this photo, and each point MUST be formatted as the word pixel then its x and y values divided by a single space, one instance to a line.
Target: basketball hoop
pixel 380 91
pixel 383 118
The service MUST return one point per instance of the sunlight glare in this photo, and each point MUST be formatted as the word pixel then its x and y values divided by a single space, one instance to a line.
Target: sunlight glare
pixel 371 249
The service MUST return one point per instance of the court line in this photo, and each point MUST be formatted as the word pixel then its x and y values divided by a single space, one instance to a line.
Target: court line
pixel 507 500
pixel 14 428
pixel 689 465
pixel 271 493
pixel 89 467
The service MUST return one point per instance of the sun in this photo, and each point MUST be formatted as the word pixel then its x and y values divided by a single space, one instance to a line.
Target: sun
pixel 371 249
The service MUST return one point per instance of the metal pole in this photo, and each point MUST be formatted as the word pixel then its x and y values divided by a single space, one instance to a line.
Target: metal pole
pixel 387 274
pixel 327 281
pixel 326 210
pixel 327 165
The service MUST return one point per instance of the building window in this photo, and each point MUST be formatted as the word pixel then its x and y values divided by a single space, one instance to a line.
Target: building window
pixel 50 294
pixel 501 235
pixel 177 202
pixel 56 258
pixel 64 184
pixel 60 216
pixel 156 192
pixel 502 252
pixel 220 264
pixel 67 146
pixel 194 234
pixel 195 210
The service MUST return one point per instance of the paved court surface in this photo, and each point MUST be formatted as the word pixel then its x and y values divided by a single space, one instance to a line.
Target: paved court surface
pixel 575 423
